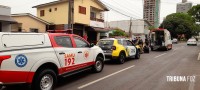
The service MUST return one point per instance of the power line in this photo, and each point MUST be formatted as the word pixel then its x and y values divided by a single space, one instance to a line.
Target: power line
pixel 138 4
pixel 120 10
pixel 23 4
pixel 108 5
pixel 127 8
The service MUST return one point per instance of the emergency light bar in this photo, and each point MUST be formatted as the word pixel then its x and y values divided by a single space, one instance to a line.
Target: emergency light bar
pixel 60 31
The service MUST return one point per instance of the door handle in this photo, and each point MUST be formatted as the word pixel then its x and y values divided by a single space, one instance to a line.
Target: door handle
pixel 80 52
pixel 61 53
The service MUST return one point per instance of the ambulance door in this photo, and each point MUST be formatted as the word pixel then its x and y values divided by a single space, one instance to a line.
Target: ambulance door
pixel 84 52
pixel 65 52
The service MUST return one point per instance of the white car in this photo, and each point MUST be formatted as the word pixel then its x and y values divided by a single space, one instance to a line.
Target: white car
pixel 192 41
pixel 175 41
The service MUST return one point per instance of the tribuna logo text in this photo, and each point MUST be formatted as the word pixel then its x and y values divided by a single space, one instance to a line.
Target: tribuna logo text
pixel 180 78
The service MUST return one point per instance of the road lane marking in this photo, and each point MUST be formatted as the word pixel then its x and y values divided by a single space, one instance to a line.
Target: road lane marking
pixel 160 55
pixel 198 58
pixel 95 81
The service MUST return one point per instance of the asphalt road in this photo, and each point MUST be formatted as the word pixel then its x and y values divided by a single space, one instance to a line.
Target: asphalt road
pixel 148 73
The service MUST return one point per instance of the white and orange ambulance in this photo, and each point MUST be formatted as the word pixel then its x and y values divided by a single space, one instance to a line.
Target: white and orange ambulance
pixel 160 39
pixel 39 58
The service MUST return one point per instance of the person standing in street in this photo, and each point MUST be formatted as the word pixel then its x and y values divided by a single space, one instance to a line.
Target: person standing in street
pixel 135 41
pixel 147 41
pixel 146 45
pixel 140 43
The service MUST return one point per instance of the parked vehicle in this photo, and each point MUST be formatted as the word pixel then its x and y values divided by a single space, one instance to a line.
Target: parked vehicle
pixel 192 41
pixel 38 59
pixel 160 39
pixel 175 40
pixel 118 49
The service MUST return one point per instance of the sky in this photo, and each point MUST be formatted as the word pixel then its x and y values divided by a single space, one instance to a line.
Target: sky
pixel 121 9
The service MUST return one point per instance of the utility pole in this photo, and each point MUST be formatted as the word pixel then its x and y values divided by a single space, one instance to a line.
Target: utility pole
pixel 130 27
pixel 70 15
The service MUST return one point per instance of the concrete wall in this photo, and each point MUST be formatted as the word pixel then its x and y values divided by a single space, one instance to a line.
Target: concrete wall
pixel 4 10
pixel 28 22
pixel 124 25
pixel 138 26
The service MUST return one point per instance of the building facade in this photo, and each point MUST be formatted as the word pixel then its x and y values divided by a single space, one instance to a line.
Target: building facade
pixel 139 27
pixel 5 19
pixel 183 7
pixel 152 11
pixel 28 23
pixel 87 16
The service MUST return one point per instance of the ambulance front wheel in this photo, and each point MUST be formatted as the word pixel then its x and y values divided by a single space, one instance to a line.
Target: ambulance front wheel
pixel 99 64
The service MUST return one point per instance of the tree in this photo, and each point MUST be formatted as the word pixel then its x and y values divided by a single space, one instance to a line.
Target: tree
pixel 118 32
pixel 195 12
pixel 179 24
pixel 151 28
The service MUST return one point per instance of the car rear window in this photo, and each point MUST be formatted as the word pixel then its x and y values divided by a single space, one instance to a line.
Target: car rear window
pixel 192 40
pixel 63 41
pixel 105 42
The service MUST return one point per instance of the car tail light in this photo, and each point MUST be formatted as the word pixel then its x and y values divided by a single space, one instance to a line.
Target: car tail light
pixel 2 58
pixel 113 47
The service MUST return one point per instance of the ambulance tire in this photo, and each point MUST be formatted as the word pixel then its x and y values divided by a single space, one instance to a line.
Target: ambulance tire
pixel 45 79
pixel 99 65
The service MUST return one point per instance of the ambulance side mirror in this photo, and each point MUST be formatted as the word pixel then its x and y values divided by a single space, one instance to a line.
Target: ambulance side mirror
pixel 92 45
